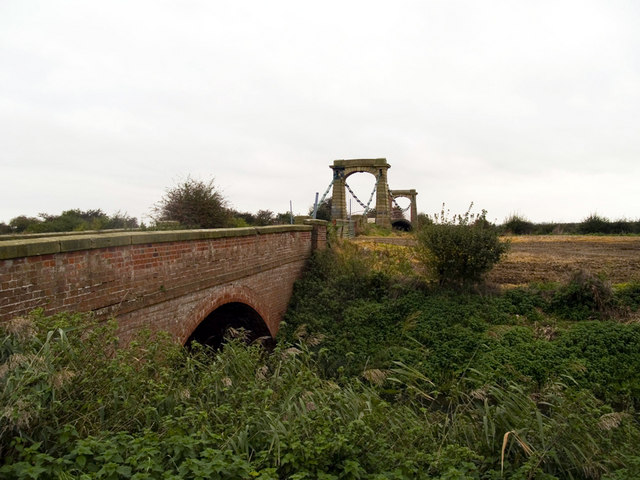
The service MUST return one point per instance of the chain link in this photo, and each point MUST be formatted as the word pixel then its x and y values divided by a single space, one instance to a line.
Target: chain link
pixel 326 192
pixel 396 203
pixel 366 207
pixel 354 195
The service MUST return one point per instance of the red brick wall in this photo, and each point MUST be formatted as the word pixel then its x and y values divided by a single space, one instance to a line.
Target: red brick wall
pixel 167 285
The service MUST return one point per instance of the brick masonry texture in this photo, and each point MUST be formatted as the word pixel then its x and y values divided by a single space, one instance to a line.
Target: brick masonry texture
pixel 162 280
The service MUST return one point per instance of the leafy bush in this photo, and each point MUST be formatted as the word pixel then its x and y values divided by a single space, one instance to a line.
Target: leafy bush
pixel 72 220
pixel 628 296
pixel 517 225
pixel 585 296
pixel 324 210
pixel 594 223
pixel 459 250
pixel 194 204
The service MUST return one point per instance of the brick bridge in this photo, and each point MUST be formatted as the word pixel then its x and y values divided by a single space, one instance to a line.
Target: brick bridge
pixel 191 283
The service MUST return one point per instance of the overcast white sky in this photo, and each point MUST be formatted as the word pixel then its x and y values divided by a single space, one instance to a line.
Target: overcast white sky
pixel 530 107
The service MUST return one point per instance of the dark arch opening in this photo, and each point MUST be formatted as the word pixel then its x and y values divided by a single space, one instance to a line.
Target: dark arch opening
pixel 228 319
pixel 402 224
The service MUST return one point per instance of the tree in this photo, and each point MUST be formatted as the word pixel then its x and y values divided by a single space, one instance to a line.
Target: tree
pixel 22 223
pixel 194 204
pixel 265 217
pixel 324 210
pixel 518 225
pixel 460 250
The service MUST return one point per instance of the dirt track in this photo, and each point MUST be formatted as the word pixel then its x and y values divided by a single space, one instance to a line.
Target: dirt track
pixel 555 257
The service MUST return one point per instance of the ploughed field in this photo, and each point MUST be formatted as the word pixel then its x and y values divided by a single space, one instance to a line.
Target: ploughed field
pixel 552 258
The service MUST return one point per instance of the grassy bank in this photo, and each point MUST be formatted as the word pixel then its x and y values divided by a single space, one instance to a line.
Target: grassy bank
pixel 376 375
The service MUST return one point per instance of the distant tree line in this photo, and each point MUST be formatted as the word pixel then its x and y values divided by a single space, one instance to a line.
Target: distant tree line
pixel 69 221
pixel 189 204
pixel 594 224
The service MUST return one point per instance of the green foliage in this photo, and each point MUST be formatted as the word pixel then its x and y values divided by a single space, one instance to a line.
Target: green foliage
pixel 628 296
pixel 21 223
pixel 556 433
pixel 194 204
pixel 593 224
pixel 459 250
pixel 596 224
pixel 324 210
pixel 265 217
pixel 518 225
pixel 375 375
pixel 480 367
pixel 73 404
pixel 424 219
pixel 584 296
pixel 604 358
pixel 260 218
pixel 72 220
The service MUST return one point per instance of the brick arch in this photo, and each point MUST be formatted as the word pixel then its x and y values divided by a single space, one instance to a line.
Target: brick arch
pixel 231 294
pixel 164 281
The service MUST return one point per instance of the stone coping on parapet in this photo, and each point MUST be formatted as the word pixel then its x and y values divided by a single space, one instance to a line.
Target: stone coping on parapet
pixel 69 243
pixel 30 236
pixel 362 162
pixel 315 221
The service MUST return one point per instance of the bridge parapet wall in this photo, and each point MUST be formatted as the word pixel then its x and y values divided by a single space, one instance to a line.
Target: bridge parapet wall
pixel 153 273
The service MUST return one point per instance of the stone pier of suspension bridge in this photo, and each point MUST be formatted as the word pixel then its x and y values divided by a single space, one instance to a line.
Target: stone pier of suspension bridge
pixel 385 198
pixel 192 283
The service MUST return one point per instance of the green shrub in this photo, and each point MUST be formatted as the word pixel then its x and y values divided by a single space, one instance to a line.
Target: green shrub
pixel 594 223
pixel 585 296
pixel 606 360
pixel 194 204
pixel 517 225
pixel 460 250
pixel 628 296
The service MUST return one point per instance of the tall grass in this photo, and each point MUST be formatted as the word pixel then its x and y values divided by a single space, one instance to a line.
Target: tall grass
pixel 372 378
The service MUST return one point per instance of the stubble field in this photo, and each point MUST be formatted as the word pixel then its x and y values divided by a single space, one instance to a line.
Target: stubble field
pixel 552 258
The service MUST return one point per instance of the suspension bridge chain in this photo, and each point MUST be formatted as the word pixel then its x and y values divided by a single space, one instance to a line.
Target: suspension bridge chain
pixel 354 195
pixel 324 195
pixel 375 186
pixel 396 203
pixel 326 192
pixel 366 207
